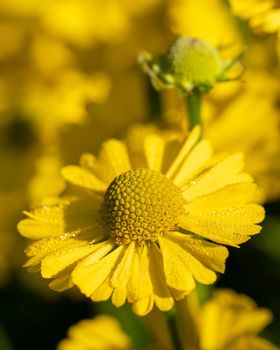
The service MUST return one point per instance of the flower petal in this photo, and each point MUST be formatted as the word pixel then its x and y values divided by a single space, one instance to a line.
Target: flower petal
pixel 173 253
pixel 37 230
pixel 63 257
pixel 62 283
pixel 121 276
pixel 38 250
pixel 139 284
pixel 229 196
pixel 162 295
pixel 211 255
pixel 154 151
pixel 184 151
pixel 224 173
pixel 220 233
pixel 144 306
pixel 113 160
pixel 92 271
pixel 103 292
pixel 243 215
pixel 194 163
pixel 60 220
pixel 81 177
pixel 177 275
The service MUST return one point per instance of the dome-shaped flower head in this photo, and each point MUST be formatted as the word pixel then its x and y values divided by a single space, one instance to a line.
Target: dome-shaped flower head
pixel 144 226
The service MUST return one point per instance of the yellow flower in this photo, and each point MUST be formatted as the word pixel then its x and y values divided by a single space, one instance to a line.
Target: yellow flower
pixel 231 321
pixel 66 97
pixel 263 15
pixel 228 321
pixel 144 233
pixel 101 333
pixel 249 123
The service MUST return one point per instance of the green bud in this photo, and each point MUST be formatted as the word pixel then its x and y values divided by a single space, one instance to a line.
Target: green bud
pixel 194 63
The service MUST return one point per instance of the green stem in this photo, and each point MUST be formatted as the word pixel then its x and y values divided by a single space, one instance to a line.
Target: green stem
pixel 193 102
pixel 172 325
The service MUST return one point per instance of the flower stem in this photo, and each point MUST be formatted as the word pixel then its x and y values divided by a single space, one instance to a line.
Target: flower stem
pixel 193 102
pixel 172 325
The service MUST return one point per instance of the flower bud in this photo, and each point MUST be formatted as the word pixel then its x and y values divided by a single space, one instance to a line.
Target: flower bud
pixel 194 62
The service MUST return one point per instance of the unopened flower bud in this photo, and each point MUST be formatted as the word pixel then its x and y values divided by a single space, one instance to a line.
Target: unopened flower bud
pixel 194 62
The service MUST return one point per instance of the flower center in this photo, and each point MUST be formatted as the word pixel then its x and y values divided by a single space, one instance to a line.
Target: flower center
pixel 140 205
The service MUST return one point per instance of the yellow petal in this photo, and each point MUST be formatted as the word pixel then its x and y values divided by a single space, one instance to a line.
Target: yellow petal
pixel 37 230
pixel 38 250
pixel 185 263
pixel 194 163
pixel 220 233
pixel 162 295
pixel 102 249
pixel 154 151
pixel 43 222
pixel 243 215
pixel 222 174
pixel 229 196
pixel 63 257
pixel 87 161
pixel 61 283
pixel 89 276
pixel 121 276
pixel 209 254
pixel 177 274
pixel 139 284
pixel 103 292
pixel 61 219
pixel 81 177
pixel 144 306
pixel 184 151
pixel 119 296
pixel 112 161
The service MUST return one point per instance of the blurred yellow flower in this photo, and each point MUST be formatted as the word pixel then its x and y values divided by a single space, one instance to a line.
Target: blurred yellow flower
pixel 65 96
pixel 231 321
pixel 250 123
pixel 263 15
pixel 133 232
pixel 101 333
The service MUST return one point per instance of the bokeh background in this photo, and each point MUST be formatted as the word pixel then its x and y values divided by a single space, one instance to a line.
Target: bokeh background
pixel 69 79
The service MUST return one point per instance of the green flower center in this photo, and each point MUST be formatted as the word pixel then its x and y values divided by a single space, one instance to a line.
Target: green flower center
pixel 140 205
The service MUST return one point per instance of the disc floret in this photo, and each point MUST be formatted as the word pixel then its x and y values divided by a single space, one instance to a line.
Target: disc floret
pixel 141 205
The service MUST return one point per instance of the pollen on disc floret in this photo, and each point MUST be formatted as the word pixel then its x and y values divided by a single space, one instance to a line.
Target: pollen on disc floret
pixel 140 205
